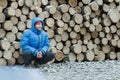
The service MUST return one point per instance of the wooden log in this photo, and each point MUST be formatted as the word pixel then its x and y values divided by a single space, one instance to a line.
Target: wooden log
pixel 114 15
pixel 18 35
pixel 86 1
pixel 50 22
pixel 97 41
pixel 21 26
pixel 1 53
pixel 38 10
pixel 72 3
pixel 65 27
pixel 59 56
pixel 66 50
pixel 74 41
pixel 2 33
pixel 66 17
pixel 72 57
pixel 106 49
pixel 16 54
pixel 64 36
pixel 118 24
pixel 20 2
pixel 31 15
pixel 25 10
pixel 94 6
pixel 12 49
pixel 3 62
pixel 18 12
pixel 51 9
pixel 57 15
pixel 20 60
pixel 37 3
pixel 72 11
pixel 23 18
pixel 92 28
pixel 77 28
pixel 98 27
pixel 46 14
pixel 4 44
pixel 60 23
pixel 14 20
pixel 76 48
pixel 3 3
pixel 8 25
pixel 52 43
pixel 94 34
pixel 44 2
pixel 118 55
pixel 50 33
pixel 14 5
pixel 16 45
pixel 112 5
pixel 54 50
pixel 113 42
pixel 9 11
pixel 73 34
pixel 118 32
pixel 99 2
pixel 2 17
pixel 68 43
pixel 112 55
pixel 107 29
pixel 62 2
pixel 57 38
pixel 95 21
pixel 11 61
pixel 71 23
pixel 28 24
pixel 63 8
pixel 109 36
pixel 10 37
pixel 90 45
pixel 80 57
pixel 100 56
pixel 102 34
pixel 60 31
pixel 78 18
pixel 1 9
pixel 104 41
pixel 53 3
pixel 29 3
pixel 90 55
pixel 87 10
pixel 87 36
pixel 113 29
pixel 59 45
pixel 78 9
pixel 118 43
pixel 84 48
pixel 7 55
pixel 116 37
pixel 83 31
pixel 14 30
pixel 106 7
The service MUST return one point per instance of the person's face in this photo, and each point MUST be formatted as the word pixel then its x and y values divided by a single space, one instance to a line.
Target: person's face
pixel 38 26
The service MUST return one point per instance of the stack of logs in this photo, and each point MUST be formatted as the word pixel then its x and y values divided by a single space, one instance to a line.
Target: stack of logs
pixel 78 30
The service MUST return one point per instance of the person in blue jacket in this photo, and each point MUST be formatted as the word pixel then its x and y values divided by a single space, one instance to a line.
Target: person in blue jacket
pixel 35 43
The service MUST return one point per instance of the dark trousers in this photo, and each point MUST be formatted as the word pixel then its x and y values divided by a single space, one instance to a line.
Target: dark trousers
pixel 27 57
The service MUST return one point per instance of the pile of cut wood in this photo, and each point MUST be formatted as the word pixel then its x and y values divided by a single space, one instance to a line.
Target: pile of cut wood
pixel 78 30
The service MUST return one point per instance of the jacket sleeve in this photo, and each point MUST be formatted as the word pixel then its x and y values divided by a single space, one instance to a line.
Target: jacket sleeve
pixel 24 43
pixel 46 45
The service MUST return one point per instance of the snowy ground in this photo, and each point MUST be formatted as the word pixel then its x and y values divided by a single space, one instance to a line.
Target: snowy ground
pixel 107 70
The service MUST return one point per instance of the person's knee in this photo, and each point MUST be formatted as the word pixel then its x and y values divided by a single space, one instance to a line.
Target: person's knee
pixel 51 55
pixel 26 54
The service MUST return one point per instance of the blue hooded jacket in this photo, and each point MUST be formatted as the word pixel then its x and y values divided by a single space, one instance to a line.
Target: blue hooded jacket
pixel 34 40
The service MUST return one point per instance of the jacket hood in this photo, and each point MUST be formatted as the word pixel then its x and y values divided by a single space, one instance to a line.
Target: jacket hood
pixel 34 20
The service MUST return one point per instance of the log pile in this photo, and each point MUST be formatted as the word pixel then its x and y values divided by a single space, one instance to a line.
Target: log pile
pixel 78 30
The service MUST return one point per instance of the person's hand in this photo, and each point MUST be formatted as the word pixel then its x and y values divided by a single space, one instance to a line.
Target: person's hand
pixel 39 55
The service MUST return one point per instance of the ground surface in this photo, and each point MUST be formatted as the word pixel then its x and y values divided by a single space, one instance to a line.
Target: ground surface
pixel 107 70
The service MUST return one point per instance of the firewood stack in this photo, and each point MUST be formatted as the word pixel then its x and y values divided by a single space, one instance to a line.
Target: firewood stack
pixel 78 30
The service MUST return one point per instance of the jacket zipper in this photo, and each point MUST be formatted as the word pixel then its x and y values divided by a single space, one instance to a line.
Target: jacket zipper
pixel 38 40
